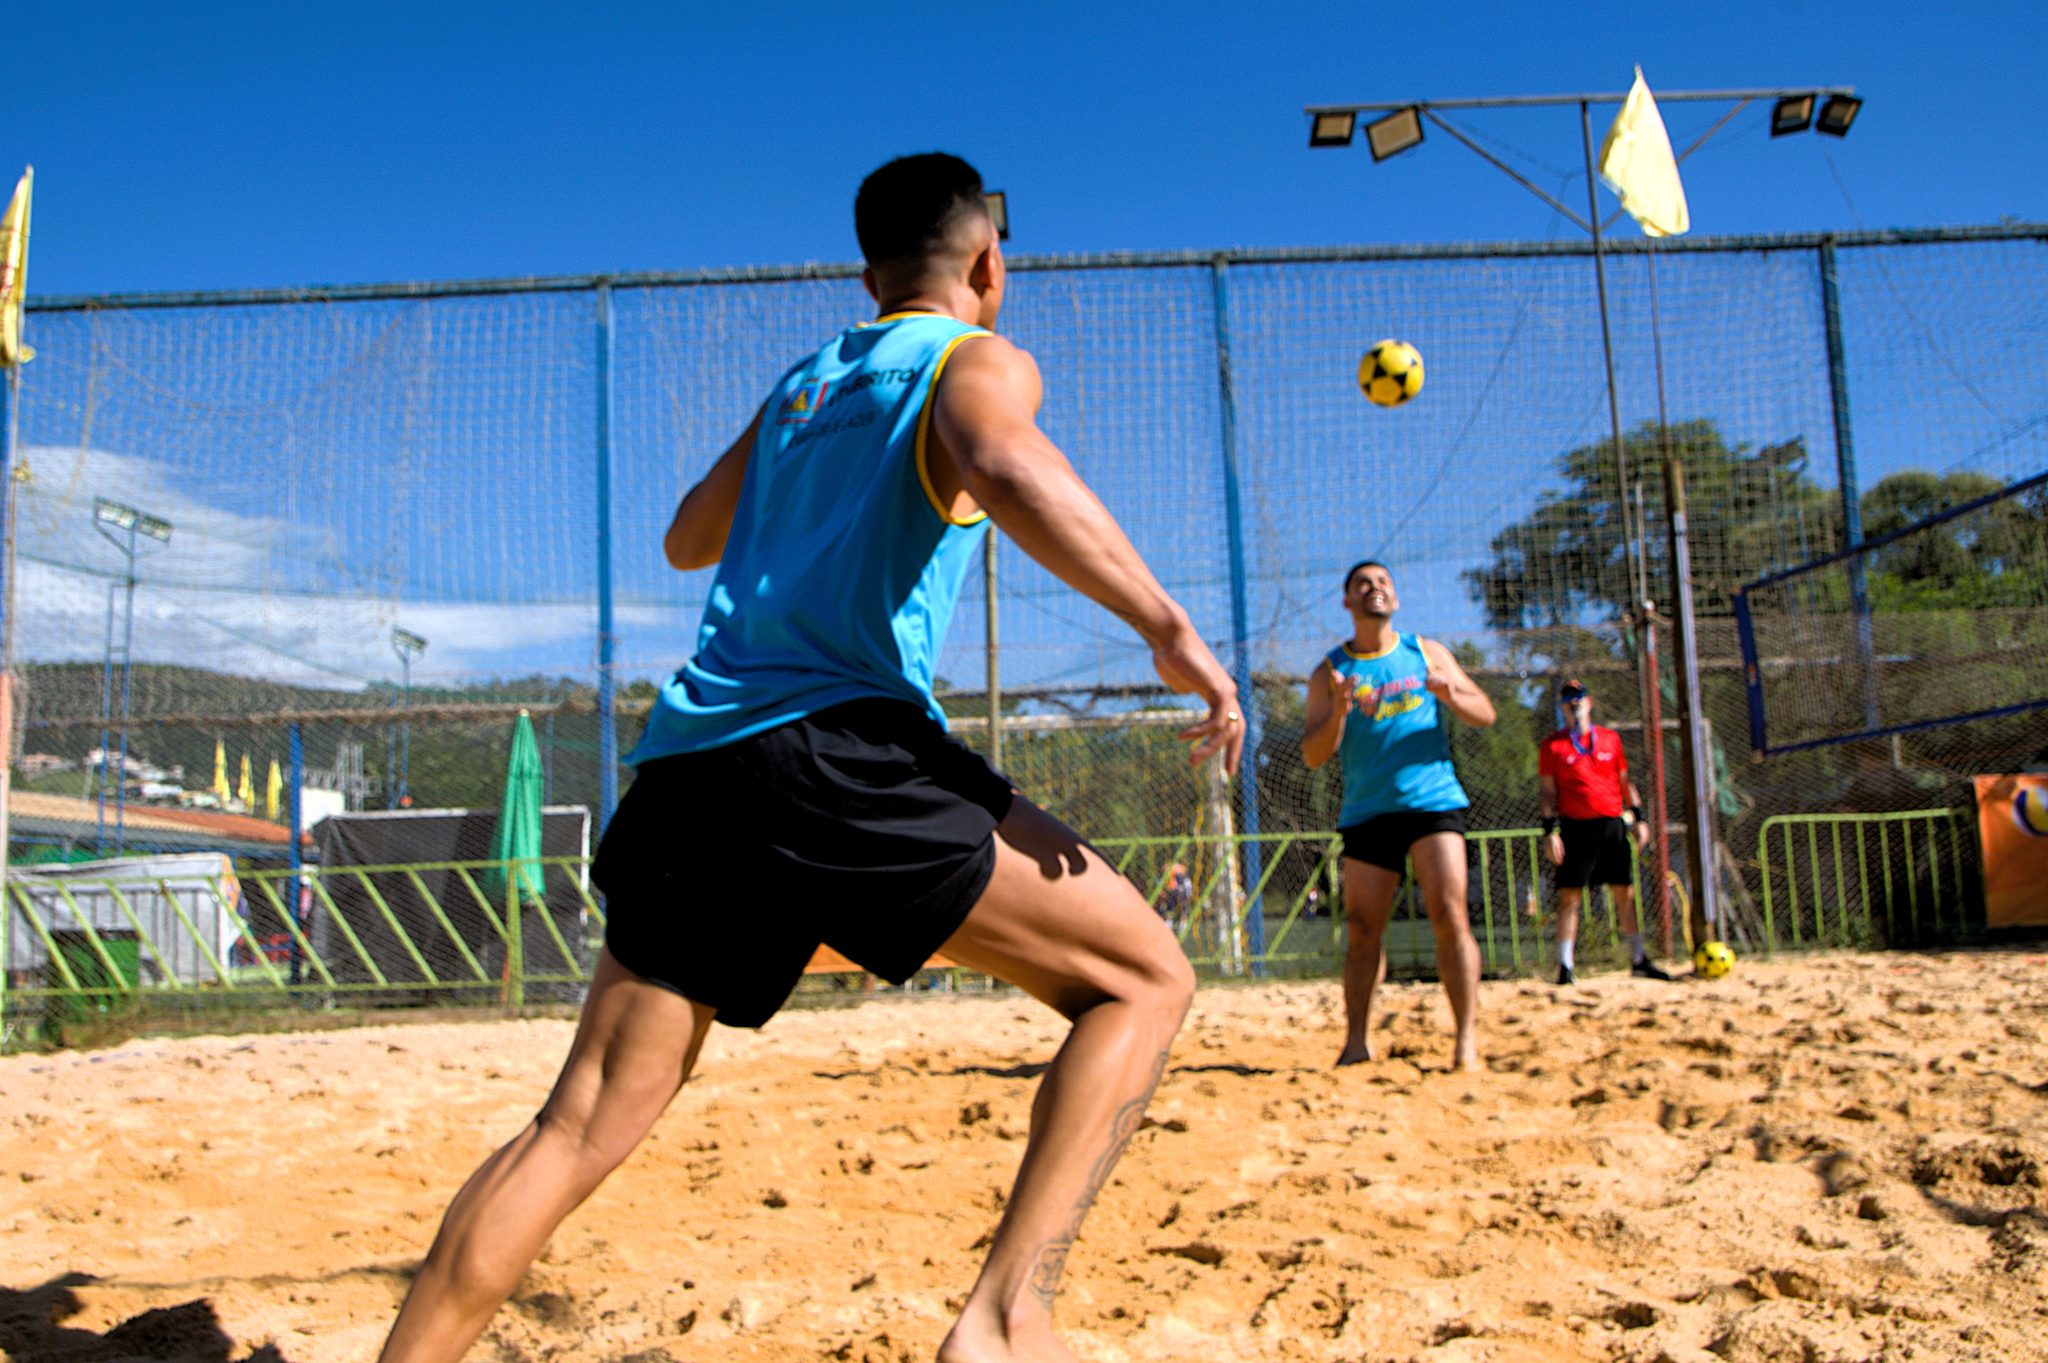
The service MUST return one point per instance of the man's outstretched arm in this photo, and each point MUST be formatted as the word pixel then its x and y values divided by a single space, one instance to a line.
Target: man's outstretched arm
pixel 696 537
pixel 989 446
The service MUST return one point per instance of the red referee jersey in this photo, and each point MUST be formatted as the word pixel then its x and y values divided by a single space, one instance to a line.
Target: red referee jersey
pixel 1592 780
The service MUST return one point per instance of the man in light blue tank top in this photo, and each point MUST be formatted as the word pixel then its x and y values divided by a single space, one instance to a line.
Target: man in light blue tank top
pixel 800 746
pixel 1380 701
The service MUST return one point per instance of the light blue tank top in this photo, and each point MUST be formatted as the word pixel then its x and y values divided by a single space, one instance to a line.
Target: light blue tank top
pixel 841 570
pixel 1395 754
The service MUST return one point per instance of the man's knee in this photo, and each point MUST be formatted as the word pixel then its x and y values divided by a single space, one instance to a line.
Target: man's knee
pixel 1176 985
pixel 1448 917
pixel 1365 928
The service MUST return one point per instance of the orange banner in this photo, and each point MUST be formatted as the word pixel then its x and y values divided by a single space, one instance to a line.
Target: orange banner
pixel 2012 825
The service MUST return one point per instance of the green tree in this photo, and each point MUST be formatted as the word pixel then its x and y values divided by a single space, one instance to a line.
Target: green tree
pixel 1567 562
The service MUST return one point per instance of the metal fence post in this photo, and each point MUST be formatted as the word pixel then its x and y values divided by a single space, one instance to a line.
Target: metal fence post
pixel 607 641
pixel 1845 478
pixel 1240 622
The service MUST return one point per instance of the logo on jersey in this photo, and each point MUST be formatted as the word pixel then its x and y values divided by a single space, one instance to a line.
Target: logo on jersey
pixel 803 404
pixel 1396 697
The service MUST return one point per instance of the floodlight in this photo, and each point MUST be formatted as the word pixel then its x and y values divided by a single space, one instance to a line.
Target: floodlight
pixel 1837 114
pixel 998 206
pixel 405 641
pixel 1394 134
pixel 1333 129
pixel 122 517
pixel 1791 114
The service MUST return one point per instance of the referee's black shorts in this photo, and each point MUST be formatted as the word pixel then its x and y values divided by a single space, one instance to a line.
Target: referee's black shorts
pixel 1596 852
pixel 863 827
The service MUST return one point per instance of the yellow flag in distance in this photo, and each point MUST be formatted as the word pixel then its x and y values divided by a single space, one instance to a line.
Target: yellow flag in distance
pixel 14 272
pixel 1637 164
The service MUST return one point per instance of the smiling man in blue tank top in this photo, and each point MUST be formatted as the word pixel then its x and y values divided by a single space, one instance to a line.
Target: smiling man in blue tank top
pixel 801 747
pixel 1380 701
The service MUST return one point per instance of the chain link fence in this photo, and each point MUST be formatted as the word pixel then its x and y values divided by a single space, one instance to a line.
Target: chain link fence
pixel 392 518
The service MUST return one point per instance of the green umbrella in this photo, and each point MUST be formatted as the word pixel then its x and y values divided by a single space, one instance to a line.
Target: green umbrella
pixel 516 844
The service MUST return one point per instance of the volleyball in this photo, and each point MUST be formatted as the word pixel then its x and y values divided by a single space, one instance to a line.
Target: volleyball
pixel 2030 811
pixel 1390 373
pixel 1713 959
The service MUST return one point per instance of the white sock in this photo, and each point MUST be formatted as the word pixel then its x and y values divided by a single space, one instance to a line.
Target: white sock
pixel 1636 953
pixel 1564 954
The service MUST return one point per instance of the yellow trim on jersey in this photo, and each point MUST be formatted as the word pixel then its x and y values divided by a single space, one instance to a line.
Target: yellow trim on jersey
pixel 924 425
pixel 1358 657
pixel 899 316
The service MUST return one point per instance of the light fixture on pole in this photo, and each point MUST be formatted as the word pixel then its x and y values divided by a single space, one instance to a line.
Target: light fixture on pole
pixel 125 528
pixel 407 646
pixel 1792 114
pixel 1837 114
pixel 1332 129
pixel 1394 134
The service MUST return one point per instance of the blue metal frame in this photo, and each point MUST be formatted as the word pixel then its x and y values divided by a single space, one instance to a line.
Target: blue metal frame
pixel 1752 664
pixel 607 634
pixel 1107 260
pixel 1240 623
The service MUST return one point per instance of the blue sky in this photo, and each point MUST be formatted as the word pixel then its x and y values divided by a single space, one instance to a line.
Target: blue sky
pixel 240 144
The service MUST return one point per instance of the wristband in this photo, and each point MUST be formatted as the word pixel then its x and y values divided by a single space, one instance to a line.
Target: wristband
pixel 1550 826
pixel 1634 813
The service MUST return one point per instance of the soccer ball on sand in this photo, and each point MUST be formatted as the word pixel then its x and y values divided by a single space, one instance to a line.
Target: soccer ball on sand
pixel 1713 960
pixel 1390 373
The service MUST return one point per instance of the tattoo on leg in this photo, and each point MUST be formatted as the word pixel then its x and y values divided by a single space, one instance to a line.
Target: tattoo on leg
pixel 1051 1260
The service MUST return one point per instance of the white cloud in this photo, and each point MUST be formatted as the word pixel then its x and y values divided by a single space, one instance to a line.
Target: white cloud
pixel 219 594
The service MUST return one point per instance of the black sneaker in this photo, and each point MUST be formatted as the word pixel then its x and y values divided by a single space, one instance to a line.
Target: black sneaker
pixel 1647 969
pixel 1565 975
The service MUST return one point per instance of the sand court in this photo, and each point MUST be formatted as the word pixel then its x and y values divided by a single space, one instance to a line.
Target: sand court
pixel 1837 1157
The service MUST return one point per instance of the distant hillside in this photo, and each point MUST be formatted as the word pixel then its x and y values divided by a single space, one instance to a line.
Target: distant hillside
pixel 458 761
pixel 53 693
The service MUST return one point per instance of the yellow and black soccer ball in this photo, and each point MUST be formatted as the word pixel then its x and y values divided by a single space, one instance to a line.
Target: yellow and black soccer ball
pixel 1713 960
pixel 1390 373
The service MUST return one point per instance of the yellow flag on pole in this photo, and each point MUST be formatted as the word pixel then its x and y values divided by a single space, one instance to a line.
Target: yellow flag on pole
pixel 247 789
pixel 273 788
pixel 1636 163
pixel 220 773
pixel 14 272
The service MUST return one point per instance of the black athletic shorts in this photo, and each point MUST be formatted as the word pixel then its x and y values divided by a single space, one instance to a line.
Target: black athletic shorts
pixel 1596 852
pixel 1384 839
pixel 862 826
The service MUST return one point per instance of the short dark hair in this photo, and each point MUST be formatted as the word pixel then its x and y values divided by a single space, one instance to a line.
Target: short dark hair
pixel 1352 571
pixel 910 208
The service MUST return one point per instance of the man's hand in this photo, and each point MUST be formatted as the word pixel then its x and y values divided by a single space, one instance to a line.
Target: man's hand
pixel 1439 683
pixel 1553 847
pixel 1640 831
pixel 1186 664
pixel 1340 690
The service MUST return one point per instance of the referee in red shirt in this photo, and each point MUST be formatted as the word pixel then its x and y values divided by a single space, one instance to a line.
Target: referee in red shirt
pixel 1582 775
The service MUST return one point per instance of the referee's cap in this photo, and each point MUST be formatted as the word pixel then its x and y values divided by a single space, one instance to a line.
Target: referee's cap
pixel 1572 689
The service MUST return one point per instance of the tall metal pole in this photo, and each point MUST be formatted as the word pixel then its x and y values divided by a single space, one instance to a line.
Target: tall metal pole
pixel 1845 479
pixel 106 722
pixel 1240 625
pixel 607 638
pixel 1653 720
pixel 992 658
pixel 9 380
pixel 1694 751
pixel 296 822
pixel 127 690
pixel 404 727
